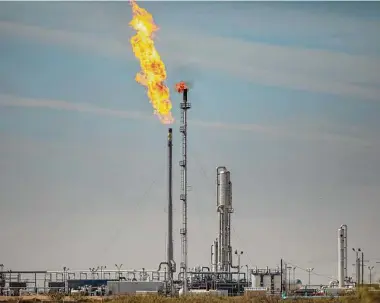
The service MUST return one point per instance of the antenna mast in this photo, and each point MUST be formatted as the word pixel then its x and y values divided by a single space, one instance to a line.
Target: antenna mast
pixel 182 88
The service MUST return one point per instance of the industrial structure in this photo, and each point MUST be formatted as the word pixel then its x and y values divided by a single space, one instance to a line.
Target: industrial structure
pixel 185 106
pixel 170 245
pixel 222 277
pixel 342 256
pixel 221 251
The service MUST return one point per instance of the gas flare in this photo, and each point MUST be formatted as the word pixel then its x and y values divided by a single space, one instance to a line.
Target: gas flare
pixel 153 71
pixel 181 86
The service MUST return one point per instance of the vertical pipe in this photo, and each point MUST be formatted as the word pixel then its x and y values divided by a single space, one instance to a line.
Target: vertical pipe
pixel 362 275
pixel 214 256
pixel 170 207
pixel 281 276
pixel 345 253
pixel 220 242
pixel 357 269
pixel 229 210
pixel 225 240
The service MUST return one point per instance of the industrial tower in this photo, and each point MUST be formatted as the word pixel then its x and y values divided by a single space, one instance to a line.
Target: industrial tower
pixel 182 88
pixel 170 255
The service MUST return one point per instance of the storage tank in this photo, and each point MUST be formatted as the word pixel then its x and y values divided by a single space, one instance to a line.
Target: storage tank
pixel 255 281
pixel 267 281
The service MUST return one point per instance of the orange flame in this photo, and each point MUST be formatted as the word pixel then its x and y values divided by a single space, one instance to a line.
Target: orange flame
pixel 181 86
pixel 153 72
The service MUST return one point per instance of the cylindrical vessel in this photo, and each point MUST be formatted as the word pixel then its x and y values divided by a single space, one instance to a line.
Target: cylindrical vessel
pixel 223 187
pixel 341 256
pixel 345 252
pixel 267 281
pixel 223 198
pixel 229 204
pixel 218 169
pixel 255 280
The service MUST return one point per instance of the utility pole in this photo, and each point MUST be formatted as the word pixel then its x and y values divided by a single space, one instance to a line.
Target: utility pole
pixel 118 270
pixel 309 270
pixel 362 268
pixel 294 273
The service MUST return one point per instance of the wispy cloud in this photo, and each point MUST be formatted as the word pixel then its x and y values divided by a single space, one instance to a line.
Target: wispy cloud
pixel 304 132
pixel 296 68
pixel 15 101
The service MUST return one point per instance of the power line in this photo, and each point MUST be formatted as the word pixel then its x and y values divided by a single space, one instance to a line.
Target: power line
pixel 313 272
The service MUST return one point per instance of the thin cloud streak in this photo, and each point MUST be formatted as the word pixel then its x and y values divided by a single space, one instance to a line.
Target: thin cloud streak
pixel 9 100
pixel 306 134
pixel 295 68
pixel 15 101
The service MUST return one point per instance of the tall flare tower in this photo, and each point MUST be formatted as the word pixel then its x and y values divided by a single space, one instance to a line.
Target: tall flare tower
pixel 181 87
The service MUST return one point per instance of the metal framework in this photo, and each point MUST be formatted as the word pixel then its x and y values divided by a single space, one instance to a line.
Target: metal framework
pixel 17 282
pixel 183 164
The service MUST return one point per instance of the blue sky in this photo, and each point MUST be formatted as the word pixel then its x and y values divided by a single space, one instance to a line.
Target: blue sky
pixel 286 95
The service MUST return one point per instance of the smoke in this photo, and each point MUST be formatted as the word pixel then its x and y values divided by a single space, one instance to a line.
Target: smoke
pixel 186 72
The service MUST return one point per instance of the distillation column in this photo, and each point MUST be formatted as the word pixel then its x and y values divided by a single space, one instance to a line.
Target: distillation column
pixel 222 258
pixel 342 255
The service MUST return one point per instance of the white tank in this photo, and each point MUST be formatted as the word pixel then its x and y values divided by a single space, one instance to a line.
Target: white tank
pixel 223 187
pixel 255 281
pixel 267 281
